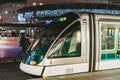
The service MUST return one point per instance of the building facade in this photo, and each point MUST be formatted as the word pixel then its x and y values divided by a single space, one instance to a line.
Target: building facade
pixel 117 2
pixel 42 2
pixel 8 11
pixel 8 14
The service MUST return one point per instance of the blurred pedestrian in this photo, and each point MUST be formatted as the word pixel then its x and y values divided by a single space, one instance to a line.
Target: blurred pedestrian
pixel 24 43
pixel 27 42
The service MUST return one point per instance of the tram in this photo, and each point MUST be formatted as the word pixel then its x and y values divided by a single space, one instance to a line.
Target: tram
pixel 74 43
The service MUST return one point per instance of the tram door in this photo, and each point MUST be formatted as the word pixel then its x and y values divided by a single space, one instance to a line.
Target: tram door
pixel 109 54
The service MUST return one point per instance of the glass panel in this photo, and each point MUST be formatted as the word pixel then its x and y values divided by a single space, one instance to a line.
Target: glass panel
pixel 46 37
pixel 107 38
pixel 110 42
pixel 107 42
pixel 119 39
pixel 69 43
pixel 39 49
pixel 118 50
pixel 110 38
pixel 41 44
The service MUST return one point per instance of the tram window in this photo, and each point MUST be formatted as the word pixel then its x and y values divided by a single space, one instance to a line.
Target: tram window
pixel 119 39
pixel 110 39
pixel 110 32
pixel 107 38
pixel 68 44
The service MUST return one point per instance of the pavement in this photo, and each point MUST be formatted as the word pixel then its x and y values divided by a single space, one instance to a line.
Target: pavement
pixel 99 75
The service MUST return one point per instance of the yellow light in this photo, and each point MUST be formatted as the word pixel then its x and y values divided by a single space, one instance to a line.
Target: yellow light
pixel 64 18
pixel 33 63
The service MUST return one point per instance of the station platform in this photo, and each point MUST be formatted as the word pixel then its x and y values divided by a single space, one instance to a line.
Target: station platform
pixel 99 75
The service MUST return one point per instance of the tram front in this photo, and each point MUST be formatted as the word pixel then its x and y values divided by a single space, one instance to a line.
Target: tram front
pixel 57 47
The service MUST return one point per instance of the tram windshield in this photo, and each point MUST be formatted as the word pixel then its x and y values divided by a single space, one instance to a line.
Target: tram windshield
pixel 42 42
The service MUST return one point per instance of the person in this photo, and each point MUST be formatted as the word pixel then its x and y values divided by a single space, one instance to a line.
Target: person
pixel 24 43
pixel 27 42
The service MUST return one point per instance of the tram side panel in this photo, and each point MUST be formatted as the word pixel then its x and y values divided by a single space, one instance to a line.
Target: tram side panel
pixel 107 41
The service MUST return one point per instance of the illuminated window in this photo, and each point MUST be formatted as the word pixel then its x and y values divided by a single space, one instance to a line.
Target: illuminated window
pixel 13 17
pixel 34 3
pixel 40 4
pixel 6 12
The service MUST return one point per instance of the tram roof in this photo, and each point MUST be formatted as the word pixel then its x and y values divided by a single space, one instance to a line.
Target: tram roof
pixel 71 6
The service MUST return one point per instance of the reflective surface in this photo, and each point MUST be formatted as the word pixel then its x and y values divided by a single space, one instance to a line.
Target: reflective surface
pixel 110 39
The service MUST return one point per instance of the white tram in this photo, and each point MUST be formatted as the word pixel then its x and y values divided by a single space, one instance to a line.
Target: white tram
pixel 75 43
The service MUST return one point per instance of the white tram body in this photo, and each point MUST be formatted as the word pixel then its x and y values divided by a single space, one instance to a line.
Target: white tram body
pixel 80 42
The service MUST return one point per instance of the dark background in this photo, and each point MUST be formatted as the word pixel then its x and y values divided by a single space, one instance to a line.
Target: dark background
pixel 7 1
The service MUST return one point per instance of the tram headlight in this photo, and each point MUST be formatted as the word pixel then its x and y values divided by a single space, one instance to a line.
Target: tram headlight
pixel 33 63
